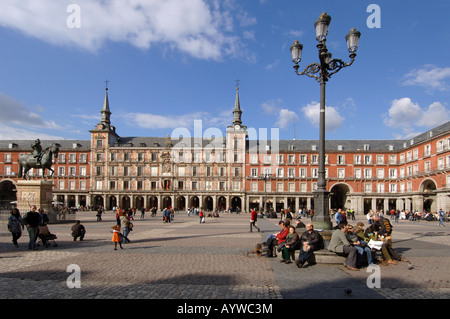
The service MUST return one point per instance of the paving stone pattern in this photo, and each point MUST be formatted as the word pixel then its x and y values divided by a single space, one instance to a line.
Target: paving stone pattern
pixel 189 260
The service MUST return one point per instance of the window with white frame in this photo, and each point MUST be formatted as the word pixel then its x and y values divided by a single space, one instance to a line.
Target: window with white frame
pixel 380 172
pixel 341 173
pixel 303 187
pixel 303 159
pixel 427 166
pixel 392 159
pixel 380 187
pixel 280 187
pixel 83 158
pixel 441 163
pixel 280 172
pixel 392 173
pixel 291 172
pixel 291 187
pixel 393 188
pixel 357 173
pixel 302 172
pixel 409 187
pixel 380 159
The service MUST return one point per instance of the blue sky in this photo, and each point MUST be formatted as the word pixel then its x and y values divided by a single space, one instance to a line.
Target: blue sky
pixel 171 62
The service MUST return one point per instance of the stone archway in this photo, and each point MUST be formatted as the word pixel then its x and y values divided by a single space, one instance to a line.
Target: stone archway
pixel 208 203
pixel 7 193
pixel 236 203
pixel 221 203
pixel 428 187
pixel 194 202
pixel 339 194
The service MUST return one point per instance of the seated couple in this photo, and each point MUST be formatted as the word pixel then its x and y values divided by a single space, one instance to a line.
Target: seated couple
pixel 288 241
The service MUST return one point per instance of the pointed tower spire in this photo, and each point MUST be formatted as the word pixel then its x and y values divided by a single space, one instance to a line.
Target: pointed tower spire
pixel 106 113
pixel 237 108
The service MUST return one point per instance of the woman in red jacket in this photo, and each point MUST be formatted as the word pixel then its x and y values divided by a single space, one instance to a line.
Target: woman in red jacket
pixel 278 238
pixel 253 218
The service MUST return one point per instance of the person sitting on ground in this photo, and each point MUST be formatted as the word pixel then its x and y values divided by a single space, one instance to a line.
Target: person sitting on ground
pixel 78 230
pixel 360 246
pixel 311 241
pixel 291 244
pixel 278 238
pixel 340 245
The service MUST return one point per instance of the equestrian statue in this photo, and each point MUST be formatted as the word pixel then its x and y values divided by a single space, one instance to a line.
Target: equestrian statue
pixel 38 159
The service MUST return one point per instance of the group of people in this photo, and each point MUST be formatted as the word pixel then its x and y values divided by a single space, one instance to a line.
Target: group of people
pixel 122 228
pixel 357 243
pixel 287 241
pixel 36 221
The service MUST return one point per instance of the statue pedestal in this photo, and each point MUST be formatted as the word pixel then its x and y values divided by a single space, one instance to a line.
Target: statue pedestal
pixel 39 193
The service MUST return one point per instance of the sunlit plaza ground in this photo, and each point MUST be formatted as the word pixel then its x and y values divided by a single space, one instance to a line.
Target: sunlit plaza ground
pixel 189 260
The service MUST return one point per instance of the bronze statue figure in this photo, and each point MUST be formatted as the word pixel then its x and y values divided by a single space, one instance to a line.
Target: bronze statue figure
pixel 39 159
pixel 37 151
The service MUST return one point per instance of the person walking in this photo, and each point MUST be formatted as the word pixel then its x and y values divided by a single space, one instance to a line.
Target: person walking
pixel 441 217
pixel 253 219
pixel 15 225
pixel 201 214
pixel 124 225
pixel 32 220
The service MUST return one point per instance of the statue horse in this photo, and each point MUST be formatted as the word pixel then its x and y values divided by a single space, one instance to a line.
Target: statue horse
pixel 27 162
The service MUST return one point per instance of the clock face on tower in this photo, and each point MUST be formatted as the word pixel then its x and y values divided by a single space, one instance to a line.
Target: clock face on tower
pixel 237 127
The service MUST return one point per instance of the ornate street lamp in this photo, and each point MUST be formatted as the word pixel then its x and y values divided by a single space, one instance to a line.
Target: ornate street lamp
pixel 322 72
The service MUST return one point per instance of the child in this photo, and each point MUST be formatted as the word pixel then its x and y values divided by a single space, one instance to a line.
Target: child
pixel 116 236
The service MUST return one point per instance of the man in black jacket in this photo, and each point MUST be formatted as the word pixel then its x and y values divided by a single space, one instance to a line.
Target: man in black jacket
pixel 32 220
pixel 311 241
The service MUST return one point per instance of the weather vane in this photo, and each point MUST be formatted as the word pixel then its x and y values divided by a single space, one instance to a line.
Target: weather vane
pixel 237 84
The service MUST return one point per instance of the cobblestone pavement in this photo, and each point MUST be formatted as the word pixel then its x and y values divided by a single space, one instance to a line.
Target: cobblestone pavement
pixel 189 260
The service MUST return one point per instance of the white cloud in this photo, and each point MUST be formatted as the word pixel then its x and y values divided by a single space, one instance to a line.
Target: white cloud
pixel 430 77
pixel 333 120
pixel 14 133
pixel 284 117
pixel 406 115
pixel 196 27
pixel 155 121
pixel 18 122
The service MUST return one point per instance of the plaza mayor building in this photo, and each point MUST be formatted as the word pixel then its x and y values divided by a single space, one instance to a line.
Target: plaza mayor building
pixel 237 172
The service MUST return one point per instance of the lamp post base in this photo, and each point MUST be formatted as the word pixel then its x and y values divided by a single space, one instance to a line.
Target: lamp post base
pixel 321 219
